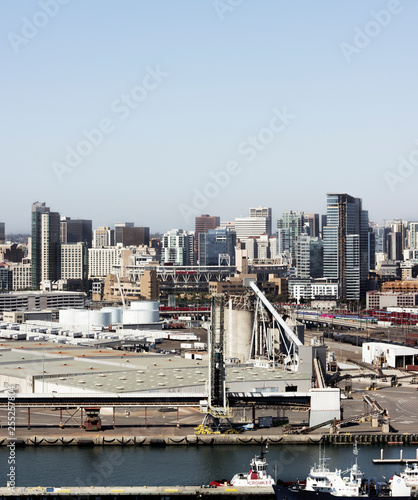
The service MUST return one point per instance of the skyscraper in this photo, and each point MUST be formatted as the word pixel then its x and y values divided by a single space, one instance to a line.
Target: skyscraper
pixel 262 212
pixel 293 221
pixel 45 252
pixel 217 246
pixel 119 230
pixel 76 230
pixel 346 245
pixel 177 248
pixel 202 225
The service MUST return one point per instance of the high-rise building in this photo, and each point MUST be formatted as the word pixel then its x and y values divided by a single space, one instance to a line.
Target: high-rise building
pixel 293 221
pixel 134 236
pixel 74 263
pixel 45 251
pixel 76 230
pixel 103 261
pixel 346 245
pixel 2 233
pixel 118 233
pixel 309 257
pixel 103 237
pixel 413 236
pixel 312 224
pixel 262 212
pixel 177 248
pixel 202 225
pixel 217 247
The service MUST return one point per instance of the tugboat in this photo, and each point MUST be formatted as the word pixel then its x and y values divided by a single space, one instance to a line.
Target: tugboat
pixel 257 475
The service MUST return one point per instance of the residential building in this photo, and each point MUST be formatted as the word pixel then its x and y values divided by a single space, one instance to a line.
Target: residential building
pixel 177 248
pixel 22 275
pixel 45 251
pixel 6 278
pixel 311 223
pixel 102 261
pixel 74 263
pixel 346 251
pixel 294 222
pixel 309 257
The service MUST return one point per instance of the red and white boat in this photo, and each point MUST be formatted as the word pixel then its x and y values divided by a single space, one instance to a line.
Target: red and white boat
pixel 256 476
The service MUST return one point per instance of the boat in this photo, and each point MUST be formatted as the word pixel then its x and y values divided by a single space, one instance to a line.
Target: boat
pixel 323 483
pixel 406 482
pixel 256 476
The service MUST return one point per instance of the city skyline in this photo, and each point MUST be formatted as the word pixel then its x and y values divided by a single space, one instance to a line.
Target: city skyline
pixel 118 113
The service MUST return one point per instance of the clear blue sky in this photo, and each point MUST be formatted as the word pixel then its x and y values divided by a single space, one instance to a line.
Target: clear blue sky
pixel 214 71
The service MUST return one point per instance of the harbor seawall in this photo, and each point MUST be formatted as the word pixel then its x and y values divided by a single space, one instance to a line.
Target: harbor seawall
pixel 211 439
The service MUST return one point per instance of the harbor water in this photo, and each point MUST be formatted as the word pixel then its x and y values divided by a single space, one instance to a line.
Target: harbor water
pixel 181 465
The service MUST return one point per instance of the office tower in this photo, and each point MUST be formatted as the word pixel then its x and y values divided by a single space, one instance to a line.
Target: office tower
pixel 262 212
pixel 312 224
pixel 2 233
pixel 76 230
pixel 202 225
pixel 134 236
pixel 177 248
pixel 118 234
pixel 293 221
pixel 45 251
pixel 309 257
pixel 103 237
pixel 323 224
pixel 346 252
pixel 217 247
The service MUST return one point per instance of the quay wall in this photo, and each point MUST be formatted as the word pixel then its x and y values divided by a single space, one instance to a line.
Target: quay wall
pixel 214 439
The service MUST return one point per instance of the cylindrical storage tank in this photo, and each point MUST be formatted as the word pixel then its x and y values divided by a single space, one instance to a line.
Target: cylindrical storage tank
pixel 99 318
pixel 67 316
pixel 116 314
pixel 238 332
pixel 142 312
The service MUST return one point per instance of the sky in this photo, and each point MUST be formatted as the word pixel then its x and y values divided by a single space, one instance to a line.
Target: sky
pixel 156 111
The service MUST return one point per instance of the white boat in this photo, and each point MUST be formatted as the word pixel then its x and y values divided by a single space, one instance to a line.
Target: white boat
pixel 257 475
pixel 405 483
pixel 338 483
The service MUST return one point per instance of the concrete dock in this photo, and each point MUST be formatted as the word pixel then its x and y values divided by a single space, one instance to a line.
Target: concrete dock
pixel 144 492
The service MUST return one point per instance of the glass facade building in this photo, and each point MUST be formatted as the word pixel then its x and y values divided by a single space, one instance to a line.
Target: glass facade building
pixel 215 243
pixel 346 245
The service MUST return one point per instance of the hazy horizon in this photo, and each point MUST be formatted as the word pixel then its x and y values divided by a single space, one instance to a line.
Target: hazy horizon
pixel 155 112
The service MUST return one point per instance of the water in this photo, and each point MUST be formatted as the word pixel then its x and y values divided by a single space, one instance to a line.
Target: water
pixel 179 465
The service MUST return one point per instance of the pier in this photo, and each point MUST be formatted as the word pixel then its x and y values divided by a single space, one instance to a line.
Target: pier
pixel 140 492
pixel 400 460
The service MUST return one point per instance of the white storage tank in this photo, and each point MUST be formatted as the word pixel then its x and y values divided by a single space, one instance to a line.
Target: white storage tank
pixel 116 314
pixel 142 313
